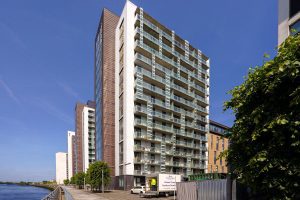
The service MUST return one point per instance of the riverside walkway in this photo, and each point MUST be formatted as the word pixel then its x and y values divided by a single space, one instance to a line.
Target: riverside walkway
pixel 75 194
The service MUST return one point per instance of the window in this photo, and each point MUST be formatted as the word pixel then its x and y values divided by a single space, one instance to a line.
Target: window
pixel 121 77
pixel 121 181
pixel 295 28
pixel 215 157
pixel 223 144
pixel 221 161
pixel 217 143
pixel 294 7
pixel 121 106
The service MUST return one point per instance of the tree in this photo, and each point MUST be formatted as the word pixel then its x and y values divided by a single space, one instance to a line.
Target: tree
pixel 94 175
pixel 264 151
pixel 79 179
pixel 66 181
pixel 72 181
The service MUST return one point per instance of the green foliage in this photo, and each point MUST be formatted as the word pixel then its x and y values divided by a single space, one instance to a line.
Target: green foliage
pixel 66 181
pixel 72 180
pixel 264 151
pixel 78 179
pixel 94 174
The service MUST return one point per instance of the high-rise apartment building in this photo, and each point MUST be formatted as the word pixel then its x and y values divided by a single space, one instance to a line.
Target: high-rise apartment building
pixel 71 154
pixel 104 88
pixel 217 143
pixel 84 135
pixel 288 18
pixel 61 167
pixel 161 100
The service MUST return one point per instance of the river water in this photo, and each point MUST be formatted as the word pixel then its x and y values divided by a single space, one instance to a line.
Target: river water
pixel 17 192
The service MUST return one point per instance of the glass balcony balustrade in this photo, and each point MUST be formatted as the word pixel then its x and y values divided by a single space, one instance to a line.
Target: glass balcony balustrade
pixel 182 143
pixel 169 37
pixel 141 109
pixel 183 101
pixel 140 134
pixel 167 48
pixel 138 121
pixel 149 74
pixel 154 88
pixel 161 115
pixel 162 127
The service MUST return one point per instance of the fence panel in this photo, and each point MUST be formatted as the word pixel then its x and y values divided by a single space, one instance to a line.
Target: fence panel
pixel 186 191
pixel 211 189
pixel 203 190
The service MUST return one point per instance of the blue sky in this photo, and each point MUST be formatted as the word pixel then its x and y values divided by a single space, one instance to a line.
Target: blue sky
pixel 46 65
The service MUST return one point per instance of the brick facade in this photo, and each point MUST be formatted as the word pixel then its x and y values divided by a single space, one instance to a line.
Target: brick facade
pixel 109 22
pixel 217 143
pixel 78 136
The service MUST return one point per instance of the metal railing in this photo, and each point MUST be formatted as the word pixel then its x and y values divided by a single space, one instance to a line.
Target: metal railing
pixel 55 194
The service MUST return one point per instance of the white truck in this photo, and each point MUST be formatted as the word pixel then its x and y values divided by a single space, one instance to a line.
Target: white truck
pixel 165 185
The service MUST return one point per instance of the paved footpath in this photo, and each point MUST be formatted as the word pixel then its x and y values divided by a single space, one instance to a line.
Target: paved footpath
pixel 109 195
pixel 82 195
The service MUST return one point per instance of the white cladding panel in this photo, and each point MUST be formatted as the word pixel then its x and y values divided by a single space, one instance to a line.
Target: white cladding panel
pixel 70 153
pixel 61 167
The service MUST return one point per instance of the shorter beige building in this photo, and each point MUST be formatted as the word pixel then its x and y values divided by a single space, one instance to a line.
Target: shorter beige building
pixel 217 143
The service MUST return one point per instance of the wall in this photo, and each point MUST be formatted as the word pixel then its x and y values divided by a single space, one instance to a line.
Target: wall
pixel 212 143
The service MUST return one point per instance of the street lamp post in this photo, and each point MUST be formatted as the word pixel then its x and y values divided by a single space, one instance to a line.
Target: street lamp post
pixel 102 183
pixel 84 183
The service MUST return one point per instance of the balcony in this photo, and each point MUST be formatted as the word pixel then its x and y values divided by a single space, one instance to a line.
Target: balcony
pixel 162 68
pixel 141 122
pixel 141 109
pixel 139 148
pixel 140 134
pixel 143 59
pixel 183 101
pixel 201 128
pixel 169 37
pixel 178 77
pixel 161 115
pixel 203 148
pixel 186 134
pixel 185 144
pixel 139 160
pixel 154 150
pixel 138 172
pixel 154 89
pixel 149 74
pixel 162 127
pixel 154 162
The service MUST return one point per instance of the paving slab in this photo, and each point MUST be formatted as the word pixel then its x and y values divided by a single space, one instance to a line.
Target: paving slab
pixel 108 195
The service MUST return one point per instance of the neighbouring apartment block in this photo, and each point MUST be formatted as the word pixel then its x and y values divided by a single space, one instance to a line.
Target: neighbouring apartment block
pixel 71 154
pixel 161 101
pixel 104 88
pixel 61 167
pixel 217 143
pixel 84 135
pixel 88 136
pixel 288 18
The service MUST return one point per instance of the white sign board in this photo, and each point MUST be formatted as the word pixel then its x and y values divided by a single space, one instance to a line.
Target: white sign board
pixel 167 182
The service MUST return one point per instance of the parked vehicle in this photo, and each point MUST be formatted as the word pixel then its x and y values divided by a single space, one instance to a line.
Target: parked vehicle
pixel 160 184
pixel 137 190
